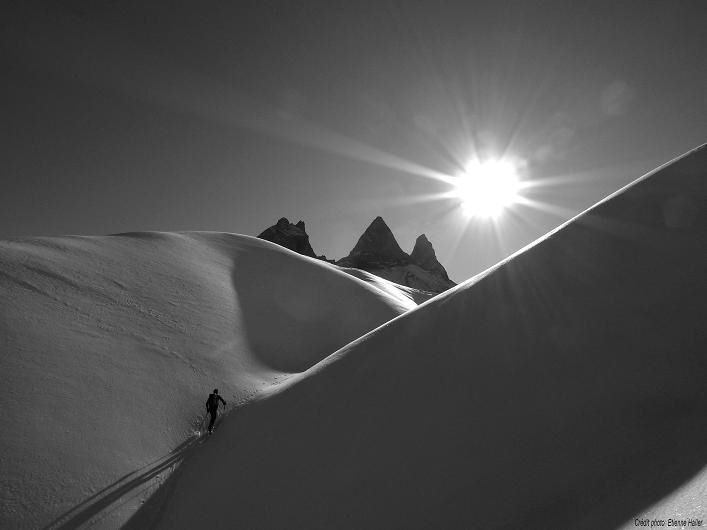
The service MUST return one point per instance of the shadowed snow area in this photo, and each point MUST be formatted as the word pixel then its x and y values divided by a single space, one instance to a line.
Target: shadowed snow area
pixel 110 346
pixel 562 389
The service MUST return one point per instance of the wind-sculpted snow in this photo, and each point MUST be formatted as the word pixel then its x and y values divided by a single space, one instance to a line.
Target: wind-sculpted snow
pixel 110 346
pixel 562 389
pixel 398 291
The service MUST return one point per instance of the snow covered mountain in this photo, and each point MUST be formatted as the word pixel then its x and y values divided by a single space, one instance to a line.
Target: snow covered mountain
pixel 563 388
pixel 378 252
pixel 110 346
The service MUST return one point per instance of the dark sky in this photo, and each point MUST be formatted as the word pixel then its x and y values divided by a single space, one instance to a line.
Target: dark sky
pixel 124 116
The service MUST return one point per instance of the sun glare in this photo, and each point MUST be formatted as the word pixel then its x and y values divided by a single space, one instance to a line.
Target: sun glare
pixel 486 188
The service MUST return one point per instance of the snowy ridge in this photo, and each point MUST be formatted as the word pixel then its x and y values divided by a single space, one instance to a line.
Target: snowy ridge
pixel 397 290
pixel 110 346
pixel 413 276
pixel 561 389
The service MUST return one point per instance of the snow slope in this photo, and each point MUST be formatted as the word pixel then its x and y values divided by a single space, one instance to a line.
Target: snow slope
pixel 398 291
pixel 110 345
pixel 414 276
pixel 564 388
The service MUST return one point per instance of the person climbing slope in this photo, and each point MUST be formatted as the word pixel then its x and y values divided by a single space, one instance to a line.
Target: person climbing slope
pixel 212 407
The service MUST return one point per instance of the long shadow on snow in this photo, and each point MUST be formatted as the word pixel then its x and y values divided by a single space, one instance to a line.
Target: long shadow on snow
pixel 576 402
pixel 98 502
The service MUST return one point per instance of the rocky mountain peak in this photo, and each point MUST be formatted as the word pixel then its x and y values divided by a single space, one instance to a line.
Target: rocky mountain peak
pixel 290 236
pixel 377 251
pixel 378 241
pixel 378 223
pixel 424 255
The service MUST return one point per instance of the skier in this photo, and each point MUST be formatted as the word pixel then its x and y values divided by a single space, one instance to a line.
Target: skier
pixel 212 407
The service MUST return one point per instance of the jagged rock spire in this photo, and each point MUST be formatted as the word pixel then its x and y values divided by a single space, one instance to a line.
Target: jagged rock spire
pixel 424 255
pixel 376 251
pixel 290 236
pixel 378 240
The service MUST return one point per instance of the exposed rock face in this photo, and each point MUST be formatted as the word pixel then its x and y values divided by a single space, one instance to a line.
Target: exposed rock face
pixel 424 255
pixel 378 252
pixel 377 247
pixel 288 235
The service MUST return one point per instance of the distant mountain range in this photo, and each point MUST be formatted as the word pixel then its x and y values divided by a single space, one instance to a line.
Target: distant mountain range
pixel 376 251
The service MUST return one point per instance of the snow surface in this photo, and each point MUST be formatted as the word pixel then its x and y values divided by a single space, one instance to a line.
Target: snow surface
pixel 414 276
pixel 110 346
pixel 401 292
pixel 564 388
pixel 561 389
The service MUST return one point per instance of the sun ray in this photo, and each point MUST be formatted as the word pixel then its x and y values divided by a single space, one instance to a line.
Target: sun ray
pixel 545 207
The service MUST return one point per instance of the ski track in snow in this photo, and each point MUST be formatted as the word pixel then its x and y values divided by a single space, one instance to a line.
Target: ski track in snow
pixel 98 326
pixel 560 389
pixel 526 398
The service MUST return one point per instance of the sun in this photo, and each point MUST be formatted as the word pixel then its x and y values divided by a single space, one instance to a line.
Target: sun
pixel 487 188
